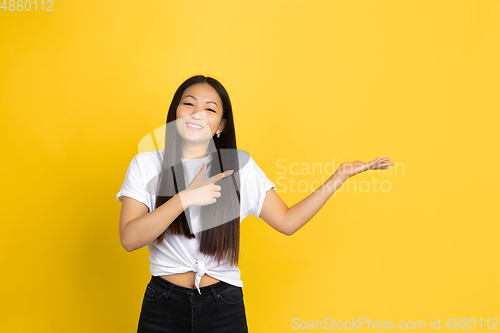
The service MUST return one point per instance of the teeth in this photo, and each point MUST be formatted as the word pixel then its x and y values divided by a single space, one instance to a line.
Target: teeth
pixel 194 126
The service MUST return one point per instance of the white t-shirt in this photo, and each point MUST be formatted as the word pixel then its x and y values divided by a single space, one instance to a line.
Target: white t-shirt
pixel 176 253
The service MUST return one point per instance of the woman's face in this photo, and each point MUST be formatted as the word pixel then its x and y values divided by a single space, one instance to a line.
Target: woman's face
pixel 199 113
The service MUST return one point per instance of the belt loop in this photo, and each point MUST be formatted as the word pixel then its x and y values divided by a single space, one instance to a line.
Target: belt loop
pixel 214 292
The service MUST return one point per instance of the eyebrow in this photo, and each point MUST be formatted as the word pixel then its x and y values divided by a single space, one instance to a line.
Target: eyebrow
pixel 196 99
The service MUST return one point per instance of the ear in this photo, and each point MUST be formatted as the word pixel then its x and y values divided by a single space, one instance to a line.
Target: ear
pixel 221 126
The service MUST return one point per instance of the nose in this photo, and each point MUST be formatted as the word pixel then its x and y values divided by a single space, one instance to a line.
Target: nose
pixel 198 114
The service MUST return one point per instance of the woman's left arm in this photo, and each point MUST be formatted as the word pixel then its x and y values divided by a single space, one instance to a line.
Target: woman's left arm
pixel 288 220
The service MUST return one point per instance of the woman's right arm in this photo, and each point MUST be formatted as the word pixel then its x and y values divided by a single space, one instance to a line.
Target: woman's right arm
pixel 139 228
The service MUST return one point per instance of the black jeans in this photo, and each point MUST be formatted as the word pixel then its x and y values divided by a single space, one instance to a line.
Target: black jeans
pixel 170 308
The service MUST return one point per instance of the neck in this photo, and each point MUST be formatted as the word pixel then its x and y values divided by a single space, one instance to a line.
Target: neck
pixel 194 150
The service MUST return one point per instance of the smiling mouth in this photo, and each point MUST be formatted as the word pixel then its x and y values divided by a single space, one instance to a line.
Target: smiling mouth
pixel 194 127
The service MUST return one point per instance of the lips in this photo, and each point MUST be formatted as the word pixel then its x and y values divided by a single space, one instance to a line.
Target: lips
pixel 194 126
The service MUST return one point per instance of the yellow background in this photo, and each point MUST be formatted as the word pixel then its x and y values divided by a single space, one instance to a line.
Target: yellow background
pixel 310 82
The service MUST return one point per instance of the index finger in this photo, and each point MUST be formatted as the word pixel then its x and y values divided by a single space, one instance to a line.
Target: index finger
pixel 219 176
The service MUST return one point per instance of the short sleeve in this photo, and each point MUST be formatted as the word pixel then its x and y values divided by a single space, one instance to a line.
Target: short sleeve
pixel 133 186
pixel 256 185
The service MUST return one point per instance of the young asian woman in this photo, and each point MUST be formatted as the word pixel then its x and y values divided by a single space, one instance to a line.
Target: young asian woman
pixel 186 203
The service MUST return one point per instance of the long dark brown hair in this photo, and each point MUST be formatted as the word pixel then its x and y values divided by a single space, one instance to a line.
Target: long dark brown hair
pixel 218 239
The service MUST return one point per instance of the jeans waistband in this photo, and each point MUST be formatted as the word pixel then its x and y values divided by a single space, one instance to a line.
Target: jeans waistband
pixel 213 290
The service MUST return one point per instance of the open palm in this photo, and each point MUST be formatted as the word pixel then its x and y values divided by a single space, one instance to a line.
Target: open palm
pixel 349 169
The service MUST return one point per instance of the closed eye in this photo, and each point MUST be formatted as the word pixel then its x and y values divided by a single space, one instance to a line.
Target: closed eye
pixel 207 109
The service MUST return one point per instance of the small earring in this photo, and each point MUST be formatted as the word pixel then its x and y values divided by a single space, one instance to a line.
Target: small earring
pixel 218 135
